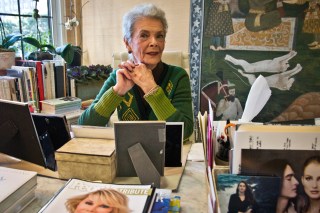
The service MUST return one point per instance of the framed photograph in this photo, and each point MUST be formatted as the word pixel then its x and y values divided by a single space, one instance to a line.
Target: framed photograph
pixel 267 165
pixel 241 40
pixel 261 193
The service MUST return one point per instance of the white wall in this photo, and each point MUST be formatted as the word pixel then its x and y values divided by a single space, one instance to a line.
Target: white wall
pixel 101 29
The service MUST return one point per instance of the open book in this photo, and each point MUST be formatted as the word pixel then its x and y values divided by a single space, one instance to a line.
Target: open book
pixel 140 197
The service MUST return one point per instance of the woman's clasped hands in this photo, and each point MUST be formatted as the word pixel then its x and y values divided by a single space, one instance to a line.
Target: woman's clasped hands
pixel 131 73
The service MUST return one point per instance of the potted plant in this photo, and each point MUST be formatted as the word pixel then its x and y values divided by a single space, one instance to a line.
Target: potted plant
pixel 66 51
pixel 7 51
pixel 7 55
pixel 88 79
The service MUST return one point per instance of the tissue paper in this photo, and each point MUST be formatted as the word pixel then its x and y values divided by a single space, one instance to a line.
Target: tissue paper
pixel 258 96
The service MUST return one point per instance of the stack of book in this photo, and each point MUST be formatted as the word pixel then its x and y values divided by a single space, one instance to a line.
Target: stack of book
pixel 34 81
pixel 64 105
pixel 19 84
pixel 17 189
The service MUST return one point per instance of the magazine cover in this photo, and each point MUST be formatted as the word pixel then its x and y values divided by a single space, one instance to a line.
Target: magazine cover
pixel 273 137
pixel 83 195
pixel 299 171
pixel 267 162
pixel 237 193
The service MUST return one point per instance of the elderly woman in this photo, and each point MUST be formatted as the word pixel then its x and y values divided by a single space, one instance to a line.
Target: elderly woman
pixel 144 88
pixel 102 200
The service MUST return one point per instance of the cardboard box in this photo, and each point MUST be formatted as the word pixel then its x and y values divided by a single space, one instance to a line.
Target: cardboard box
pixel 87 159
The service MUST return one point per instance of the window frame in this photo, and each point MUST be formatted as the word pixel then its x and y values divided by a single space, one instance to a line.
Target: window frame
pixel 56 11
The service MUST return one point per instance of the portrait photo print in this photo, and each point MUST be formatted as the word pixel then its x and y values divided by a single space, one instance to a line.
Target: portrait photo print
pixel 251 166
pixel 263 191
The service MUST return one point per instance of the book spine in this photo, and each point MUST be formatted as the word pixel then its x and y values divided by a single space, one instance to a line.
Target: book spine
pixel 18 89
pixel 40 82
pixel 17 84
pixel 52 80
pixel 27 86
pixel 47 77
pixel 23 86
pixel 34 87
pixel 13 90
pixel 44 78
pixel 6 94
pixel 1 90
pixel 150 200
pixel 73 88
pixel 59 79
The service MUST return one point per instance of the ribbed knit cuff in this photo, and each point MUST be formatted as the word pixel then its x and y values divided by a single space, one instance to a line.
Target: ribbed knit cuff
pixel 107 103
pixel 163 110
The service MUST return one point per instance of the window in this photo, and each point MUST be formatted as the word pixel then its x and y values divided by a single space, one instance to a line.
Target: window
pixel 17 17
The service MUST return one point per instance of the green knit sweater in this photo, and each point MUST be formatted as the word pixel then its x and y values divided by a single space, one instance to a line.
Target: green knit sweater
pixel 172 102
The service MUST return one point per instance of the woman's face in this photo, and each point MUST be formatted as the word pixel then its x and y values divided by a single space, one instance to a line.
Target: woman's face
pixel 311 180
pixel 242 188
pixel 92 204
pixel 289 183
pixel 147 42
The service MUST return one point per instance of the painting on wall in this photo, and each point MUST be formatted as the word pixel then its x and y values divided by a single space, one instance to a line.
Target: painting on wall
pixel 243 39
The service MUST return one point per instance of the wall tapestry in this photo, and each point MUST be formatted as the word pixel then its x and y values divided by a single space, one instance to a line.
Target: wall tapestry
pixel 242 39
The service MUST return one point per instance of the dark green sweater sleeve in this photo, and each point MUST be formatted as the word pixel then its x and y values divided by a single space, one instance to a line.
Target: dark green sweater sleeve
pixel 182 101
pixel 105 103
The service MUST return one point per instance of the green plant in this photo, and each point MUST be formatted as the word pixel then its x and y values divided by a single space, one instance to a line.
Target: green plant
pixel 7 40
pixel 65 51
pixel 83 74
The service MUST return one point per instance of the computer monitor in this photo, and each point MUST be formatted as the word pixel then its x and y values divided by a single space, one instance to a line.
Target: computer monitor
pixel 18 136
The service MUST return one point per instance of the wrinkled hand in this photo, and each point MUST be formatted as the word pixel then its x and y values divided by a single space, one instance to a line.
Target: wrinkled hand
pixel 143 77
pixel 139 74
pixel 124 83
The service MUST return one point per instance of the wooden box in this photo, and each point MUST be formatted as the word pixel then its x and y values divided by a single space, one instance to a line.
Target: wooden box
pixel 87 159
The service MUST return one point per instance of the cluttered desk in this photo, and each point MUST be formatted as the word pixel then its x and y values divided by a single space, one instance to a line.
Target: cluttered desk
pixel 191 187
pixel 75 158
